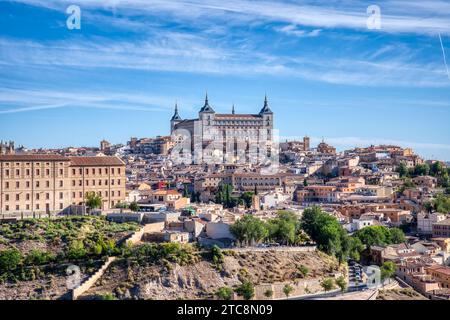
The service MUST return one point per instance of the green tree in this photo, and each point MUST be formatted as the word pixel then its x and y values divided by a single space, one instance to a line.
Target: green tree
pixel 327 232
pixel 442 203
pixel 224 293
pixel 10 259
pixel 327 284
pixel 341 283
pixel 246 290
pixel 396 235
pixel 402 170
pixel 379 236
pixel 93 200
pixel 422 169
pixel 387 270
pixel 287 290
pixel 247 198
pixel 284 227
pixel 134 206
pixel 249 229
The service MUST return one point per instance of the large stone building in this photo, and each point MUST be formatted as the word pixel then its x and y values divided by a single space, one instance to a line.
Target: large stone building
pixel 233 135
pixel 53 183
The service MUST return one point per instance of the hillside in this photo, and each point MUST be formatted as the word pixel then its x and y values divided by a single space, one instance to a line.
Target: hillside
pixel 268 270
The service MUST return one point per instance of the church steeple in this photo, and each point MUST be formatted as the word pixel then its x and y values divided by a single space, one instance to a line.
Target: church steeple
pixel 176 116
pixel 232 109
pixel 265 108
pixel 206 107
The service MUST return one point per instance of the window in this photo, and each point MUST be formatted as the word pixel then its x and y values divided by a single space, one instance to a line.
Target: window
pixel 47 172
pixel 61 172
pixel 17 184
pixel 112 193
pixel 7 172
pixel 73 183
pixel 106 182
pixel 17 207
pixel 118 182
pixel 37 206
pixel 47 184
pixel 61 195
pixel 93 182
pixel 80 183
pixel 100 171
pixel 27 207
pixel 61 183
pixel 28 172
pixel 87 182
pixel 93 171
pixel 112 170
pixel 38 172
pixel 81 194
pixel 27 184
pixel 60 206
pixel 17 172
pixel 47 196
pixel 99 182
pixel 80 171
pixel 118 171
pixel 73 172
pixel 37 196
pixel 6 185
pixel 87 171
pixel 18 197
pixel 7 208
pixel 27 196
pixel 112 182
pixel 73 194
pixel 6 197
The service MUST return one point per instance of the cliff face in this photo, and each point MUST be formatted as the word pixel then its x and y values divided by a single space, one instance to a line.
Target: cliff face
pixel 268 270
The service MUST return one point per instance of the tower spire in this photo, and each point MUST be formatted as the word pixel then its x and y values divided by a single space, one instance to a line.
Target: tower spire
pixel 176 116
pixel 266 108
pixel 232 109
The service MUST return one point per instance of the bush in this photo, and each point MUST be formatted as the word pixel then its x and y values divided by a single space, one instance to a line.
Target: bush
pixel 246 290
pixel 287 289
pixel 303 270
pixel 224 293
pixel 327 284
pixel 38 257
pixel 10 259
pixel 268 293
pixel 76 250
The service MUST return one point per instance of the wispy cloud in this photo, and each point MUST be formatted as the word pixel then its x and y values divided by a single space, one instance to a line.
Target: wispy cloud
pixel 428 17
pixel 293 30
pixel 195 54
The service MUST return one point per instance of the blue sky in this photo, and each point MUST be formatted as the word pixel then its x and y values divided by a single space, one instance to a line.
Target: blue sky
pixel 325 73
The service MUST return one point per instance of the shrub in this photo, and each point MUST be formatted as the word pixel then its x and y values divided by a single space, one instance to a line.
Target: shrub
pixel 38 257
pixel 10 259
pixel 224 293
pixel 303 270
pixel 287 289
pixel 246 290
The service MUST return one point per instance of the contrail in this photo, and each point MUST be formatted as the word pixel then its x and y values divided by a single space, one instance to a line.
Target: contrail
pixel 443 53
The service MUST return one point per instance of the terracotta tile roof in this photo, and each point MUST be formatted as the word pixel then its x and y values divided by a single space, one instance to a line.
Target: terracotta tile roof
pixel 33 157
pixel 96 161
